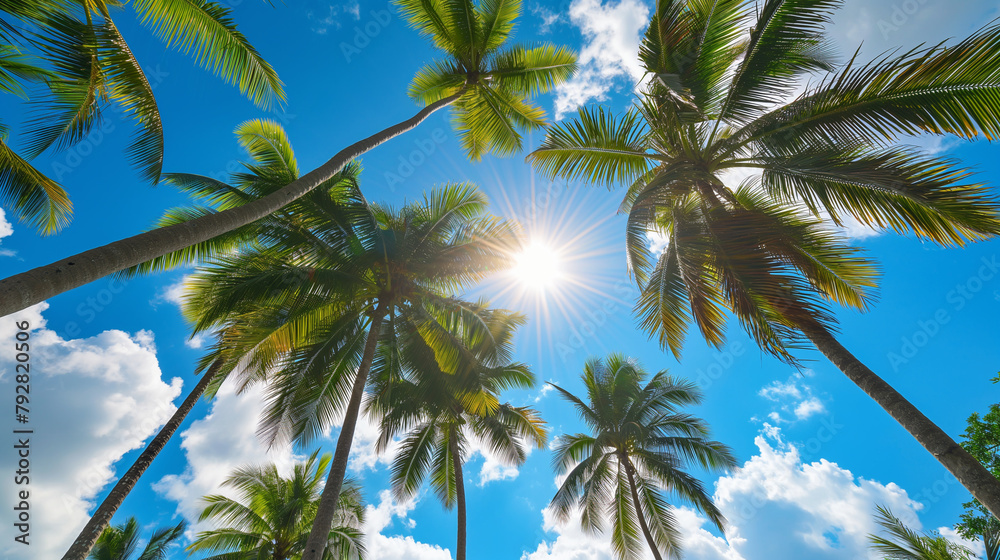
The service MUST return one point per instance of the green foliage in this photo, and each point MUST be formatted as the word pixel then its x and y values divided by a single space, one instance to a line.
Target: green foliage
pixel 494 82
pixel 272 515
pixel 720 101
pixel 639 443
pixel 982 441
pixel 438 411
pixel 122 541
pixel 902 543
pixel 290 296
pixel 85 64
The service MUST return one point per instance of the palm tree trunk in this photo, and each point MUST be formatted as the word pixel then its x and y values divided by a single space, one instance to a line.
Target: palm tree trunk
pixel 459 495
pixel 88 536
pixel 970 472
pixel 991 542
pixel 638 510
pixel 28 288
pixel 320 533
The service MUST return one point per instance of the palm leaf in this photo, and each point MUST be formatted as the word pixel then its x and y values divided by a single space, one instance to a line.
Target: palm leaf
pixel 128 86
pixel 35 198
pixel 205 29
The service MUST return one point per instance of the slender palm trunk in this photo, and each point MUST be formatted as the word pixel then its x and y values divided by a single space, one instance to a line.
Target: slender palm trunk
pixel 88 536
pixel 320 533
pixel 459 494
pixel 970 472
pixel 28 288
pixel 638 509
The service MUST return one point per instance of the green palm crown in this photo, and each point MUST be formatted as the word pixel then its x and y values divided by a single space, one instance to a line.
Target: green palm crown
pixel 719 98
pixel 495 80
pixel 635 455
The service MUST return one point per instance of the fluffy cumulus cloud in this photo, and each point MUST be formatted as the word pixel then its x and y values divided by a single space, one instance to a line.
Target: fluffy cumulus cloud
pixel 777 507
pixel 91 401
pixel 226 439
pixel 215 446
pixel 611 32
pixel 388 516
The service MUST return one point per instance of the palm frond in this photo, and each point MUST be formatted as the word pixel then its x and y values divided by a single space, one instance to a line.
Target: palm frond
pixel 128 86
pixel 205 30
pixel 596 147
pixel 34 198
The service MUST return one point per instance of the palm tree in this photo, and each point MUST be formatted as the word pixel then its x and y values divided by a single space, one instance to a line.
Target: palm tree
pixel 121 542
pixel 637 450
pixel 441 412
pixel 305 309
pixel 903 543
pixel 91 65
pixel 273 515
pixel 762 251
pixel 272 164
pixel 33 196
pixel 489 83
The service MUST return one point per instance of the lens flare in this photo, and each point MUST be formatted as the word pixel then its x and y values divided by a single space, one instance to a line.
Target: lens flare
pixel 537 267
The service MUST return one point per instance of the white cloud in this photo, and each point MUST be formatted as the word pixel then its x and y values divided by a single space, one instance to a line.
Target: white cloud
pixel 395 547
pixel 332 17
pixel 363 454
pixel 215 446
pixel 611 34
pixel 777 507
pixel 353 8
pixel 174 294
pixel 571 542
pixel 881 25
pixel 780 507
pixel 794 397
pixel 226 439
pixel 952 535
pixel 6 230
pixel 92 401
pixel 809 407
pixel 546 389
pixel 493 468
pixel 548 17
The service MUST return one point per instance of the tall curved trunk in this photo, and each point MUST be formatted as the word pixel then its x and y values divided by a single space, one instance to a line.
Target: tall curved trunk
pixel 28 288
pixel 88 536
pixel 459 495
pixel 320 533
pixel 970 472
pixel 638 510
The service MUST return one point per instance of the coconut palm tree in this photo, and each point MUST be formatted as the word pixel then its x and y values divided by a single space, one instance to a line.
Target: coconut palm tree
pixel 441 413
pixel 719 99
pixel 272 516
pixel 121 542
pixel 306 308
pixel 489 82
pixel 32 195
pixel 272 164
pixel 90 65
pixel 636 451
pixel 902 543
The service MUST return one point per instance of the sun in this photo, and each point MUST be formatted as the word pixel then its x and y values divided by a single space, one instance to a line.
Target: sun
pixel 537 267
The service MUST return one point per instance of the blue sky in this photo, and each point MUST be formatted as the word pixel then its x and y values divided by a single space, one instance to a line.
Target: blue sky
pixel 817 454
